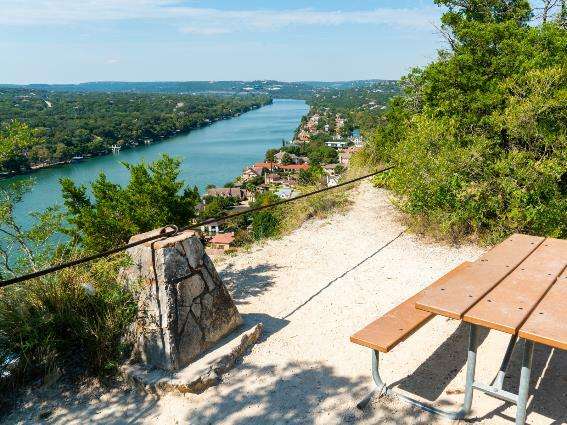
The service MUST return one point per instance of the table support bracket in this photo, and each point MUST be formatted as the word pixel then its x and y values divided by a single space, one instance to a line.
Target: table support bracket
pixel 454 415
pixel 495 390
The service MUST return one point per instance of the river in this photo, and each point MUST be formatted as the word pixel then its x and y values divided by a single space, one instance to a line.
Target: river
pixel 211 155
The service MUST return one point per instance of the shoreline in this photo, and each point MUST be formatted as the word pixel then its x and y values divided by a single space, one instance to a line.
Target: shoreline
pixel 160 139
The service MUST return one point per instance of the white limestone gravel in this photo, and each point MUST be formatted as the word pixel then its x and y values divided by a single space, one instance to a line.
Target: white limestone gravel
pixel 312 290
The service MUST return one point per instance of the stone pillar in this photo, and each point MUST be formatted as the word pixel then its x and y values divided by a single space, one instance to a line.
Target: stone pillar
pixel 184 306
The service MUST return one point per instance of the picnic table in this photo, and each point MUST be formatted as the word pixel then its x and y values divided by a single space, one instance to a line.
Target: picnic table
pixel 518 287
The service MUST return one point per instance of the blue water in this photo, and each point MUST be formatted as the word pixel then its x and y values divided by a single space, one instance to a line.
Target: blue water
pixel 211 155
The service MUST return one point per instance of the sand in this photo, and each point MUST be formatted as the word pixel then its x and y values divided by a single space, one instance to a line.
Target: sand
pixel 312 290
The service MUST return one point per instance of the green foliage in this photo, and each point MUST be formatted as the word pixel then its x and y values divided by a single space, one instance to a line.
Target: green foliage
pixel 76 316
pixel 22 250
pixel 16 139
pixel 286 159
pixel 215 206
pixel 265 223
pixel 480 136
pixel 339 169
pixel 73 317
pixel 312 176
pixel 154 197
pixel 67 124
pixel 270 155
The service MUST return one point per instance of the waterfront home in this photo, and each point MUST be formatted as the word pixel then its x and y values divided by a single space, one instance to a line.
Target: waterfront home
pixel 228 192
pixel 303 136
pixel 250 173
pixel 294 167
pixel 222 241
pixel 265 166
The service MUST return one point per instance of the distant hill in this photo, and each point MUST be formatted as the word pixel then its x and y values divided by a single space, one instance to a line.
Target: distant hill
pixel 277 89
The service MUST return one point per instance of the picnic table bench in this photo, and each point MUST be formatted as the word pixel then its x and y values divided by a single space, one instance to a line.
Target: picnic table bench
pixel 518 287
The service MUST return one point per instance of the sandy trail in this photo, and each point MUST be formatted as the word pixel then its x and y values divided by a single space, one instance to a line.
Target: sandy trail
pixel 312 290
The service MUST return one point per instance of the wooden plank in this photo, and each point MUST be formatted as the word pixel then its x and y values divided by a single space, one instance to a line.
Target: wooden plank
pixel 402 321
pixel 463 290
pixel 548 322
pixel 510 303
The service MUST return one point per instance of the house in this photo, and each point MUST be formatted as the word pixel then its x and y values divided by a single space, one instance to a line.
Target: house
pixel 228 192
pixel 250 173
pixel 303 136
pixel 265 166
pixel 272 178
pixel 294 167
pixel 211 228
pixel 222 241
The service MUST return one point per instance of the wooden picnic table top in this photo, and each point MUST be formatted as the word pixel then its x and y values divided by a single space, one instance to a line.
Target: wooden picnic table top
pixel 518 287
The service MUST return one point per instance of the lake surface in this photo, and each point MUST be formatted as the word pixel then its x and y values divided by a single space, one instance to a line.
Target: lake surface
pixel 211 155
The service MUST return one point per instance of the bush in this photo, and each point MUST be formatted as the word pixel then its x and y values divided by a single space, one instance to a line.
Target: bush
pixel 479 138
pixel 74 317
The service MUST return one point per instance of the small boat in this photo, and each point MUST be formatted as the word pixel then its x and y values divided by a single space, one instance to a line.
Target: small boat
pixel 77 158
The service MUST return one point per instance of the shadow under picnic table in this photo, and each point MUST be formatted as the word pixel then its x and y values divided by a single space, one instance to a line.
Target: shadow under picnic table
pixel 548 383
pixel 431 378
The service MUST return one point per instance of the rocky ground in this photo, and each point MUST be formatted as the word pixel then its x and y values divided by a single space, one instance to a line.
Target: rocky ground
pixel 312 290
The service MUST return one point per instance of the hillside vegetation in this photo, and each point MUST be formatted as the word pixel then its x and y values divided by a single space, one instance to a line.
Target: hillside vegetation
pixel 64 125
pixel 479 137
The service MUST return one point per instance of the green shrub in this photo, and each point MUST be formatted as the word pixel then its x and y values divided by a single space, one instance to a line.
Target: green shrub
pixel 479 138
pixel 77 316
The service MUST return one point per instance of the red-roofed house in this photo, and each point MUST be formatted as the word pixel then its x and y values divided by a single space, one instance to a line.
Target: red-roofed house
pixel 269 166
pixel 250 173
pixel 294 167
pixel 222 241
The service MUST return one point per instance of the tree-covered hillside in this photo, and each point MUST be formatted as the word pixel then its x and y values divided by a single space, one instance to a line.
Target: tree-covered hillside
pixel 65 124
pixel 479 136
pixel 276 89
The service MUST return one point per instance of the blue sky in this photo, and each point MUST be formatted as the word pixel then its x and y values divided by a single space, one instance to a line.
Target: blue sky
pixel 68 41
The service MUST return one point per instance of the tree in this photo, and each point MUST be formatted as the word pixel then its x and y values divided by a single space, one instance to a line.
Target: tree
pixel 312 175
pixel 153 198
pixel 270 155
pixel 26 249
pixel 15 140
pixel 480 135
pixel 286 159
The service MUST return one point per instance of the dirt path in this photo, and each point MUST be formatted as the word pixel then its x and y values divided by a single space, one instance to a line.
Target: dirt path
pixel 312 290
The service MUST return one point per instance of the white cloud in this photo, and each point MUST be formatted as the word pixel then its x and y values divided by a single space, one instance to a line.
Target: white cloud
pixel 205 30
pixel 112 61
pixel 201 21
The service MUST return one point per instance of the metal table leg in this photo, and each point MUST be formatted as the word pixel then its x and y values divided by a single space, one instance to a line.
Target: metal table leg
pixel 467 403
pixel 495 390
pixel 523 392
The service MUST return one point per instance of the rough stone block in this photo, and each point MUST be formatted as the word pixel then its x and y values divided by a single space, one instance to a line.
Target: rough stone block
pixel 184 305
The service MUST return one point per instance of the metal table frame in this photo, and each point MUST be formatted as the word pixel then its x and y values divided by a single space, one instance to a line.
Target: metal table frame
pixel 494 389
